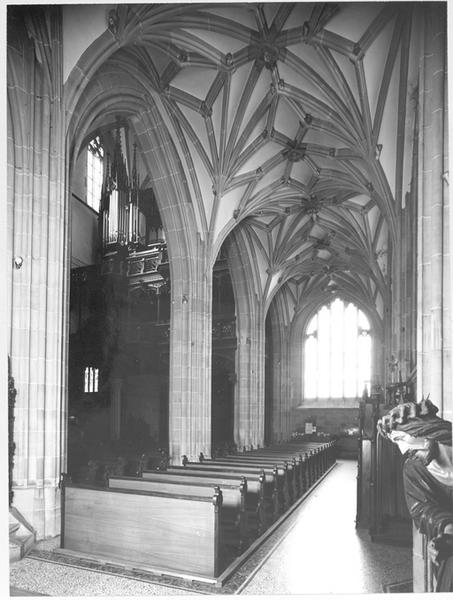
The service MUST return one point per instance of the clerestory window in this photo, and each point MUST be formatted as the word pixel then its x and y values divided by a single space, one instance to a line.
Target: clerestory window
pixel 337 352
pixel 95 173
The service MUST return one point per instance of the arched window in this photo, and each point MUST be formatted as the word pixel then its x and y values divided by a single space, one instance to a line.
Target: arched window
pixel 95 173
pixel 337 352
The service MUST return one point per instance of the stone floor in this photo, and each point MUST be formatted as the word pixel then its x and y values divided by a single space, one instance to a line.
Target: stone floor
pixel 316 551
pixel 323 553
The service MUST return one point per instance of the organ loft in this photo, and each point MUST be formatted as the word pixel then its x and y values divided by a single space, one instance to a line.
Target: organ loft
pixel 228 286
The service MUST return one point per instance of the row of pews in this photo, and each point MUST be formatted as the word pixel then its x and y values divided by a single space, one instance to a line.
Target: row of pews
pixel 193 520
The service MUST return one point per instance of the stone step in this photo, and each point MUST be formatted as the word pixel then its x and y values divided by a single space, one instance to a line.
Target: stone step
pixel 15 552
pixel 22 537
pixel 20 545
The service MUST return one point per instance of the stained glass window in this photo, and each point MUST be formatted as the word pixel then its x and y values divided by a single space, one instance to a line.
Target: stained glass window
pixel 337 352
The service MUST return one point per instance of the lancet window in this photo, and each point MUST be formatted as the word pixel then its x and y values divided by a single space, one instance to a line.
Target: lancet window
pixel 95 173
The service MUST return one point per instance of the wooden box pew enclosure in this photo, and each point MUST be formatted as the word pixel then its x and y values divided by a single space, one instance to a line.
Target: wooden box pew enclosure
pixel 279 473
pixel 169 532
pixel 273 481
pixel 258 499
pixel 198 520
pixel 233 501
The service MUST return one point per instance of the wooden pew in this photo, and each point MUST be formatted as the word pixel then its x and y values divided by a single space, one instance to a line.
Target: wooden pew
pixel 260 503
pixel 278 470
pixel 324 457
pixel 300 474
pixel 158 531
pixel 284 472
pixel 318 454
pixel 314 459
pixel 311 454
pixel 233 516
pixel 290 463
pixel 273 474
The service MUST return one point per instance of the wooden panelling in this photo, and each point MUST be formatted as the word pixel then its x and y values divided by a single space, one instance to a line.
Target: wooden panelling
pixel 155 531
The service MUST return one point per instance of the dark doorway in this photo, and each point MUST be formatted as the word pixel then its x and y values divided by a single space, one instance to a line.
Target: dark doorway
pixel 222 404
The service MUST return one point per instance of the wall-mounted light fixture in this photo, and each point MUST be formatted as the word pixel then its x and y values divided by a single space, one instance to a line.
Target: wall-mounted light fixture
pixel 185 300
pixel 18 262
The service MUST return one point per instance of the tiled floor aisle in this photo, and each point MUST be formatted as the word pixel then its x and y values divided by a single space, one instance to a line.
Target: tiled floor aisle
pixel 321 553
pixel 324 553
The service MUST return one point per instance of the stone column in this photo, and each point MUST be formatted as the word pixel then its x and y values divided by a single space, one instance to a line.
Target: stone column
pixel 190 365
pixel 191 292
pixel 249 397
pixel 249 391
pixel 281 412
pixel 447 283
pixel 434 289
pixel 434 242
pixel 37 220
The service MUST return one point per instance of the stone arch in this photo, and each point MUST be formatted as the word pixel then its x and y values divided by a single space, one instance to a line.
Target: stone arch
pixel 287 351
pixel 191 275
pixel 94 56
pixel 93 103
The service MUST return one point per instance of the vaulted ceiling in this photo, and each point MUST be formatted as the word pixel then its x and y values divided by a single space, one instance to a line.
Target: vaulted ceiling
pixel 291 123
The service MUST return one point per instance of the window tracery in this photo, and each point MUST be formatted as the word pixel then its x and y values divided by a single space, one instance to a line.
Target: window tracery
pixel 337 352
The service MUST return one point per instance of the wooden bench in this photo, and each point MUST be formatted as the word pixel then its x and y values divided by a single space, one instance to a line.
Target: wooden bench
pixel 260 502
pixel 233 515
pixel 310 460
pixel 279 470
pixel 308 473
pixel 288 463
pixel 274 476
pixel 293 464
pixel 324 453
pixel 151 530
pixel 319 456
